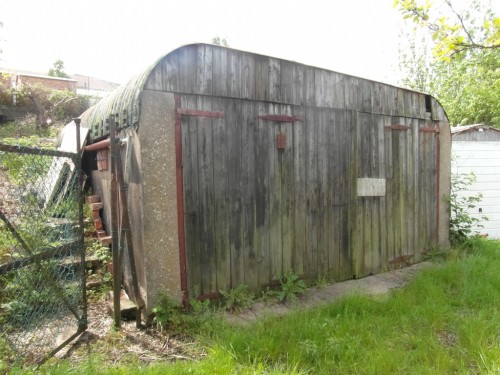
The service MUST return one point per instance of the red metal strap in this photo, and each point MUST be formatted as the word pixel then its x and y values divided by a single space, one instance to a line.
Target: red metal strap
pixel 429 130
pixel 199 113
pixel 280 118
pixel 398 127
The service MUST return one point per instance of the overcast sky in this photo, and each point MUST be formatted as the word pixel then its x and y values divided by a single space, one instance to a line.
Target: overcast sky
pixel 115 39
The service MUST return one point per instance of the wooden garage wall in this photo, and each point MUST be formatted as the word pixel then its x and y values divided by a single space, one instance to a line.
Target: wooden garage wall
pixel 252 211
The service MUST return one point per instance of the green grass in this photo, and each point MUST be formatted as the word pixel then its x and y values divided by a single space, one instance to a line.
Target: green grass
pixel 446 321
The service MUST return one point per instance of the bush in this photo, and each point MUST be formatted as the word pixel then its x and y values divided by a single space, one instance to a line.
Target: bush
pixel 462 224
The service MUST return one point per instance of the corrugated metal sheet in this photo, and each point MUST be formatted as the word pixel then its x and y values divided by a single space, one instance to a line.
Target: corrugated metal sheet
pixel 124 102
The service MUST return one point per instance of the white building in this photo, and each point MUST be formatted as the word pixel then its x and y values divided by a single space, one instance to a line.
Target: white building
pixel 476 149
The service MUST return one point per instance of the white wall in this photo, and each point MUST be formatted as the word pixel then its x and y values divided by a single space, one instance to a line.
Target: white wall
pixel 483 159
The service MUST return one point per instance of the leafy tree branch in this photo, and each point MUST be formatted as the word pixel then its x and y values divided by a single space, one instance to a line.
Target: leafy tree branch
pixel 452 31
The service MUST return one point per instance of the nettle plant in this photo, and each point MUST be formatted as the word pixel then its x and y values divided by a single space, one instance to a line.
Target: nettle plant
pixel 462 223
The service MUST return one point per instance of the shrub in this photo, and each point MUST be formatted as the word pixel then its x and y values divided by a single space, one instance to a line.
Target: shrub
pixel 236 298
pixel 462 223
pixel 290 286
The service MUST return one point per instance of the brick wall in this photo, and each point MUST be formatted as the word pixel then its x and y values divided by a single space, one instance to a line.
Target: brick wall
pixel 50 82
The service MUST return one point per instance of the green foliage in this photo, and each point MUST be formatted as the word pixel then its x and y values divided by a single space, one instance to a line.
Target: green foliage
pixel 462 223
pixel 26 294
pixel 453 31
pixel 444 321
pixel 199 307
pixel 25 130
pixel 220 42
pixel 100 252
pixel 58 70
pixel 467 85
pixel 236 298
pixel 290 286
pixel 166 313
pixel 48 105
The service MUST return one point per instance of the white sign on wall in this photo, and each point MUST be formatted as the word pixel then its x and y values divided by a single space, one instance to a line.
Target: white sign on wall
pixel 371 187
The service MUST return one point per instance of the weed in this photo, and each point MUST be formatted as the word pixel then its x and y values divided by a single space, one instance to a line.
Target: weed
pixel 166 312
pixel 322 282
pixel 290 286
pixel 269 294
pixel 199 307
pixel 237 298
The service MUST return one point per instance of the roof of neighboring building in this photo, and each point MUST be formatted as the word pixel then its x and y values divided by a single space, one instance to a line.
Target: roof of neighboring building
pixel 27 73
pixel 480 127
pixel 93 83
pixel 475 133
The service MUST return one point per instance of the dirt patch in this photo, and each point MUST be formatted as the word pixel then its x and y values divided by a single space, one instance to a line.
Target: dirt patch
pixel 129 345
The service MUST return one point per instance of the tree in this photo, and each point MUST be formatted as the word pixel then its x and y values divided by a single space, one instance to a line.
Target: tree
pixel 465 79
pixel 58 70
pixel 452 31
pixel 220 42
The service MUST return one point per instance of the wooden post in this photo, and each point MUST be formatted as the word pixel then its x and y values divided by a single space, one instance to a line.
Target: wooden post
pixel 78 165
pixel 114 226
pixel 126 232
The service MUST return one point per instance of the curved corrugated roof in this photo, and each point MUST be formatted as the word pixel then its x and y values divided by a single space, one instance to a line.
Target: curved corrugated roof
pixel 124 103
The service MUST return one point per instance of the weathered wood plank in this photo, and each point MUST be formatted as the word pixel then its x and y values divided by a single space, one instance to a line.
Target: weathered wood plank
pixel 334 183
pixel 365 95
pixel 298 85
pixel 187 80
pixel 324 204
pixel 408 183
pixel 191 210
pixel 247 83
pixel 396 193
pixel 287 81
pixel 274 80
pixel 204 73
pixel 234 88
pixel 220 135
pixel 288 195
pixel 389 200
pixel 337 82
pixel 206 199
pixel 375 204
pixel 253 185
pixel 355 203
pixel 275 197
pixel 309 86
pixel 240 133
pixel 299 152
pixel 259 263
pixel 220 71
pixel 345 121
pixel 323 88
pixel 261 78
pixel 311 178
pixel 382 218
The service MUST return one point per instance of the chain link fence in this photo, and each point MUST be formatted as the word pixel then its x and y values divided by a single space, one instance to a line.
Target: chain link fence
pixel 42 262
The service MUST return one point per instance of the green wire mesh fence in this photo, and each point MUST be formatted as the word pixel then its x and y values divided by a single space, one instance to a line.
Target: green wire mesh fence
pixel 42 263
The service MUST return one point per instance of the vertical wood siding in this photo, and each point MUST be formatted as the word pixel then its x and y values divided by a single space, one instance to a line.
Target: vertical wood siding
pixel 253 211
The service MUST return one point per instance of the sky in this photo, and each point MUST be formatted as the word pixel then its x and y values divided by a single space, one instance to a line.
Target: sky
pixel 115 39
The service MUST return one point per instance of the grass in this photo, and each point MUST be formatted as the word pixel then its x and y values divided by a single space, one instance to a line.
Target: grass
pixel 446 321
